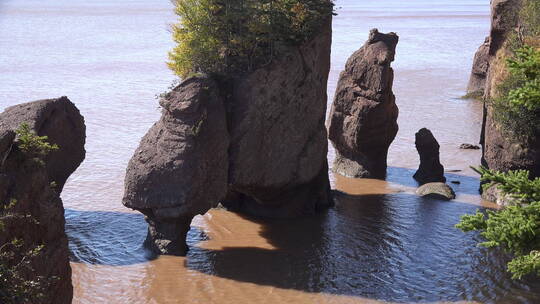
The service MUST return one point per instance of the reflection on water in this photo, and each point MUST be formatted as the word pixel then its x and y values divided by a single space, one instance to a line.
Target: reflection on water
pixel 380 242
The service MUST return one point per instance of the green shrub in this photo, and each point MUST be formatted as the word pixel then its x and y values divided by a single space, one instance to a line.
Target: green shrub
pixel 16 263
pixel 515 228
pixel 237 36
pixel 518 106
pixel 33 146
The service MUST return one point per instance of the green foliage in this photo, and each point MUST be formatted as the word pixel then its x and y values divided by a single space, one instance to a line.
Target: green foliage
pixel 515 228
pixel 236 36
pixel 15 262
pixel 530 18
pixel 33 146
pixel 518 106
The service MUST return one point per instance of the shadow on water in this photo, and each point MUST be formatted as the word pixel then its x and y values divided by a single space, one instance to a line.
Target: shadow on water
pixel 404 176
pixel 393 247
pixel 106 238
pixel 397 247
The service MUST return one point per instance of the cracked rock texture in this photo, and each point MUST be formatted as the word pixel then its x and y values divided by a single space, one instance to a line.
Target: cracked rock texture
pixel 363 118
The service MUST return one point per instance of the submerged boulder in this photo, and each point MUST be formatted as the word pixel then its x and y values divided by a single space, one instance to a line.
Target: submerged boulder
pixel 255 143
pixel 430 169
pixel 436 190
pixel 363 118
pixel 30 187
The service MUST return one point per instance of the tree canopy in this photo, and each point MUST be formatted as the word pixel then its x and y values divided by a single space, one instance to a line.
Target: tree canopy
pixel 236 36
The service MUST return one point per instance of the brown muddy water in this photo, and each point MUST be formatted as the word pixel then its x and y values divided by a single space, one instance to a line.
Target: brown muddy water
pixel 381 243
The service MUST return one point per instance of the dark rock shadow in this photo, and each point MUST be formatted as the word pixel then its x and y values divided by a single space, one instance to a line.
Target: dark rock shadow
pixel 404 176
pixel 398 247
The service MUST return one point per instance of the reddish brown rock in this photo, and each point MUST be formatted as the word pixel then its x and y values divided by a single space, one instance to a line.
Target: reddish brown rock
pixel 29 184
pixel 180 168
pixel 477 81
pixel 363 118
pixel 256 143
pixel 502 150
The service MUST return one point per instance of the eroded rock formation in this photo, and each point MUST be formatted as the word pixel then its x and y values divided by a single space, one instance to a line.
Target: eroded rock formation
pixel 477 81
pixel 180 168
pixel 430 169
pixel 36 187
pixel 256 143
pixel 502 151
pixel 363 118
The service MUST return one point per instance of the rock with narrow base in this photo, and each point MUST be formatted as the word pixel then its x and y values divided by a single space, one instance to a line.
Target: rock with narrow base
pixel 363 118
pixel 436 190
pixel 34 188
pixel 180 168
pixel 256 143
pixel 430 169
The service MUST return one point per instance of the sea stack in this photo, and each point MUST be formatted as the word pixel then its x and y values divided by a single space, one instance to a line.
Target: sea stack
pixel 33 188
pixel 363 118
pixel 257 143
pixel 430 169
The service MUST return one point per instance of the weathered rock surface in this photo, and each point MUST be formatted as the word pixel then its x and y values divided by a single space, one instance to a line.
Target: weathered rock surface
pixel 495 195
pixel 256 143
pixel 436 190
pixel 29 183
pixel 363 118
pixel 502 151
pixel 430 169
pixel 477 81
pixel 61 121
pixel 278 137
pixel 180 168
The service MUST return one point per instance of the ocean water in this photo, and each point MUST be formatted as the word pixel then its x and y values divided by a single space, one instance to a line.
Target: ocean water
pixel 380 243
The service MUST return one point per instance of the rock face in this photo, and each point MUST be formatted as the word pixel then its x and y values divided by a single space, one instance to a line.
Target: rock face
pixel 180 168
pixel 494 194
pixel 436 190
pixel 477 81
pixel 501 151
pixel 256 143
pixel 363 118
pixel 29 184
pixel 430 169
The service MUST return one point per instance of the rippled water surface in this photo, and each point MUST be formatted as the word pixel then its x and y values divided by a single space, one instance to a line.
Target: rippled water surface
pixel 381 243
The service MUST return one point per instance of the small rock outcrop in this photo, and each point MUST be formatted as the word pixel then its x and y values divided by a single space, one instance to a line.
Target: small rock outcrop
pixel 497 196
pixel 436 190
pixel 255 143
pixel 477 81
pixel 35 187
pixel 430 169
pixel 363 118
pixel 469 147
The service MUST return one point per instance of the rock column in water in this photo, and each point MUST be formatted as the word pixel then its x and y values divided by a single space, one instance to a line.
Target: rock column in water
pixel 363 118
pixel 35 188
pixel 256 143
pixel 430 169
